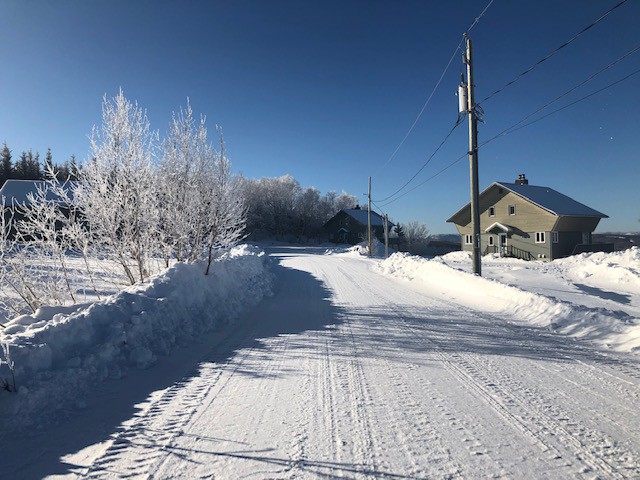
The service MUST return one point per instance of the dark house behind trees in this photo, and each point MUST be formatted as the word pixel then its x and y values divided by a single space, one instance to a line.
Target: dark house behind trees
pixel 530 222
pixel 350 226
pixel 15 194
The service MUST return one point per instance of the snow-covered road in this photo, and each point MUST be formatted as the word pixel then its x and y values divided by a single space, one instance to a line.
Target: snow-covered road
pixel 346 373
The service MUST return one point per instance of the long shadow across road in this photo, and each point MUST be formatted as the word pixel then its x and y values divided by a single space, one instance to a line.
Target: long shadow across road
pixel 301 302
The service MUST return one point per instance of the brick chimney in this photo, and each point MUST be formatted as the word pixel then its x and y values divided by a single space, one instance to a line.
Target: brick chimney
pixel 522 180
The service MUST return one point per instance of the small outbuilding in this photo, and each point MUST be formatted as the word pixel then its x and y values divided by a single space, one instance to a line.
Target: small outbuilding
pixel 530 222
pixel 350 226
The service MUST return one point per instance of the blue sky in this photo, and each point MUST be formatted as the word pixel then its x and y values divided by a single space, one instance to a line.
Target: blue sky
pixel 325 91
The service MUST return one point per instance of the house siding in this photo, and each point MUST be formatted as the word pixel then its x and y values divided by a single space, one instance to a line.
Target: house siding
pixel 529 218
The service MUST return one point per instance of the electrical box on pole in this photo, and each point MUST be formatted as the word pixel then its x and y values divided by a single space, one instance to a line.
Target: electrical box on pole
pixel 473 160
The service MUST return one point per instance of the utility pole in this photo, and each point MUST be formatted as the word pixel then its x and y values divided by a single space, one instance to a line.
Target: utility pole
pixel 386 235
pixel 369 218
pixel 473 161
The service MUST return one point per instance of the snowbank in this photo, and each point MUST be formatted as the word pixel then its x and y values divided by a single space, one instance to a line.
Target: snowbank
pixel 613 328
pixel 59 352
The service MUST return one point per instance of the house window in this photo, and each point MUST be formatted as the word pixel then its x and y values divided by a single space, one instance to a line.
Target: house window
pixel 468 239
pixel 540 237
pixel 554 237
pixel 512 209
pixel 491 240
pixel 492 211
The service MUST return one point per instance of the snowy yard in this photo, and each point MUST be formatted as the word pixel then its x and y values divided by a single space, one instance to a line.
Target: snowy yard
pixel 353 368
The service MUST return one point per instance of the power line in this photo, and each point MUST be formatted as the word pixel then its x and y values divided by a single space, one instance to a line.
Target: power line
pixel 515 128
pixel 458 47
pixel 461 157
pixel 553 52
pixel 512 129
pixel 588 79
pixel 475 22
pixel 423 106
pixel 444 140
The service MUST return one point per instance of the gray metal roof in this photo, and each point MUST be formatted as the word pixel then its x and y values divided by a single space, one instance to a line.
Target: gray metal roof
pixel 361 216
pixel 551 200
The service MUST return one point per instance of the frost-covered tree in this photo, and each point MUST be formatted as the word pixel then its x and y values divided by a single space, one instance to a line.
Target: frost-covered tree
pixel 116 190
pixel 416 235
pixel 201 208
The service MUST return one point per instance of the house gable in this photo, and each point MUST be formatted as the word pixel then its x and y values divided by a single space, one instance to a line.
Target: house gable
pixel 508 209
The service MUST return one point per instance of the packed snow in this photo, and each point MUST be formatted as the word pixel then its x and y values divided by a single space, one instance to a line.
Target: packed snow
pixel 593 296
pixel 59 352
pixel 335 365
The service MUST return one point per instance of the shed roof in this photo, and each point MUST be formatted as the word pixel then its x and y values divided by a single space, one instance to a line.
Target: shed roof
pixel 361 216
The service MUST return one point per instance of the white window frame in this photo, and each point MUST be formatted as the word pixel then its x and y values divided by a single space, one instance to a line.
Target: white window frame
pixel 468 239
pixel 514 209
pixel 540 237
pixel 492 211
pixel 491 242
pixel 555 238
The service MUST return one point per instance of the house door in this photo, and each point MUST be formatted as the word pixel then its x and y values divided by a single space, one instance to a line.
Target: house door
pixel 503 244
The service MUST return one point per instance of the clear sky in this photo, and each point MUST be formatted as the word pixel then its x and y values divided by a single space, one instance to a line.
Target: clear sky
pixel 326 90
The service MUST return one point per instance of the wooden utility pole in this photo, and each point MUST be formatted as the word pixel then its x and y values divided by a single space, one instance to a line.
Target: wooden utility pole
pixel 386 235
pixel 473 161
pixel 369 218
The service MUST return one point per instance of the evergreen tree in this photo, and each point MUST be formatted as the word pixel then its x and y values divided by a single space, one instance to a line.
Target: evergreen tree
pixel 6 167
pixel 21 171
pixel 63 172
pixel 48 161
pixel 74 171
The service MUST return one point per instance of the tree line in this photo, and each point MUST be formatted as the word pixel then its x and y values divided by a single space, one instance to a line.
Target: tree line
pixel 28 166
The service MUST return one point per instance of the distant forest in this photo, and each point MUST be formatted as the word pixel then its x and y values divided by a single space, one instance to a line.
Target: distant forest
pixel 28 167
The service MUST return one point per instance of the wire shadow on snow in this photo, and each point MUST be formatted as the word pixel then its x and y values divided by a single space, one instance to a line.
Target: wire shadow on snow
pixel 381 330
pixel 605 294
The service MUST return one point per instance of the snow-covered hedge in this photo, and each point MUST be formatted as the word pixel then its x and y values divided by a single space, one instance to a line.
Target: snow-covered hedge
pixel 58 357
pixel 615 329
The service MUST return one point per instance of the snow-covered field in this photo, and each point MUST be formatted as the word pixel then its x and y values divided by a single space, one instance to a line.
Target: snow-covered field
pixel 353 368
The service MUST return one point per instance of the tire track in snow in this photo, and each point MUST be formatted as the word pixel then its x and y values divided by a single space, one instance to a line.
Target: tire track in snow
pixel 525 413
pixel 437 460
pixel 590 447
pixel 145 441
pixel 265 391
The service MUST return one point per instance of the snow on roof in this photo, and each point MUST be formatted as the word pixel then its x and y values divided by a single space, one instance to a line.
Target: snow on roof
pixel 500 226
pixel 361 216
pixel 15 192
pixel 551 200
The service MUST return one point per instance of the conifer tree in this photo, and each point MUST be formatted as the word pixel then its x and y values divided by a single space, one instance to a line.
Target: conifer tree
pixel 22 167
pixel 48 161
pixel 6 167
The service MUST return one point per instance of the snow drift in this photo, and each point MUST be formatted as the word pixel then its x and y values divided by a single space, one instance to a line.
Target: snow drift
pixel 616 329
pixel 59 352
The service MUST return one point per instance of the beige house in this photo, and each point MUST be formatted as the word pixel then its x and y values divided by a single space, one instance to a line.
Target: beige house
pixel 529 222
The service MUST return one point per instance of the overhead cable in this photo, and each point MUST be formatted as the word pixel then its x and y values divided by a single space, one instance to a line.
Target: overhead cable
pixel 512 129
pixel 444 140
pixel 424 106
pixel 553 52
pixel 475 22
pixel 458 48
